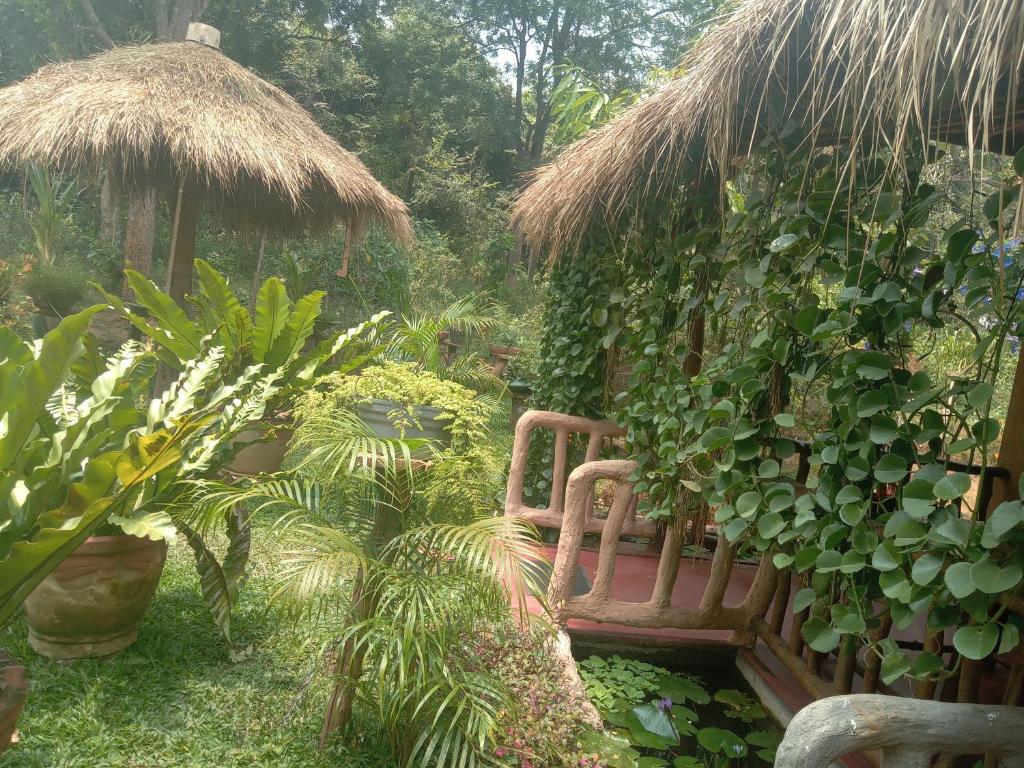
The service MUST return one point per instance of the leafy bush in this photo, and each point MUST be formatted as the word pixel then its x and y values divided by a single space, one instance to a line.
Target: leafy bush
pixel 419 578
pixel 463 412
pixel 547 725
pixel 56 289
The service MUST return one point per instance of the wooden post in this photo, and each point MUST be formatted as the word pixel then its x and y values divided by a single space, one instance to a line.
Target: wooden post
pixel 183 244
pixel 256 273
pixel 1011 450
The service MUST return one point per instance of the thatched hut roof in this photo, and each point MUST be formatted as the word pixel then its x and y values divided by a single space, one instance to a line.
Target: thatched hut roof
pixel 860 73
pixel 154 112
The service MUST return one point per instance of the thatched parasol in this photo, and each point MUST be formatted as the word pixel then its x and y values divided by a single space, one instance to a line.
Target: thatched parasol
pixel 860 73
pixel 187 119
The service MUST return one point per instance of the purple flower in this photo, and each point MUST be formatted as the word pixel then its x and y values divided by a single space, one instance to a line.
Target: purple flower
pixel 665 705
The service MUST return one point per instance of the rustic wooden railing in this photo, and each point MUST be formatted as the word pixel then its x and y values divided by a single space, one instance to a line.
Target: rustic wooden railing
pixel 765 613
pixel 598 435
pixel 572 511
pixel 908 733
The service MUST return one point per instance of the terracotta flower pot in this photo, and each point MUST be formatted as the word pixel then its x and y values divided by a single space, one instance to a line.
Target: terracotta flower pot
pixel 500 355
pixel 263 456
pixel 92 603
pixel 13 688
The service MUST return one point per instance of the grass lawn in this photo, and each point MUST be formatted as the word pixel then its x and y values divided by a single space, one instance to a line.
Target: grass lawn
pixel 175 699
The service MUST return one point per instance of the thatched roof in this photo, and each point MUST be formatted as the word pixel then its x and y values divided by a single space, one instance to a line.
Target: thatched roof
pixel 151 112
pixel 861 73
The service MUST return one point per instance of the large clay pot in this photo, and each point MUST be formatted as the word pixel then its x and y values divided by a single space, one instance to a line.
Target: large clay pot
pixel 13 687
pixel 375 415
pixel 92 603
pixel 260 455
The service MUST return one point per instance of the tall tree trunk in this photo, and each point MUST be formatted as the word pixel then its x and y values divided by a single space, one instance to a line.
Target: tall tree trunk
pixel 138 235
pixel 110 209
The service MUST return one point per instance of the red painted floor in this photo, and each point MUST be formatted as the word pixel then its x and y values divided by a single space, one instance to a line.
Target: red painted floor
pixel 633 582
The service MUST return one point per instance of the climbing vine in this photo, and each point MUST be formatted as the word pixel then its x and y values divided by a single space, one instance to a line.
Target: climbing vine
pixel 581 319
pixel 811 286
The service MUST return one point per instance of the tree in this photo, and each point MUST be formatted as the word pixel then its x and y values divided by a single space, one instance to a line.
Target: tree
pixel 613 41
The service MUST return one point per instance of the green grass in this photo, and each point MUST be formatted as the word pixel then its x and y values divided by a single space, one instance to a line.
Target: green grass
pixel 176 700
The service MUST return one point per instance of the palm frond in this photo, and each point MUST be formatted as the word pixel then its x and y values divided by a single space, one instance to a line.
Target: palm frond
pixel 312 576
pixel 208 501
pixel 341 444
pixel 500 550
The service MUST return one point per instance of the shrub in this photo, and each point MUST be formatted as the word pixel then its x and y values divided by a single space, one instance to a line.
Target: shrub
pixel 464 414
pixel 548 726
pixel 56 289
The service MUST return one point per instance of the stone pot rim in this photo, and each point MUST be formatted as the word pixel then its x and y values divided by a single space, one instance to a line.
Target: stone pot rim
pixel 115 544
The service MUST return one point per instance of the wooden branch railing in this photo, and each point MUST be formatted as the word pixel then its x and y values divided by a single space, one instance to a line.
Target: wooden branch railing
pixel 908 732
pixel 765 613
pixel 598 434
pixel 572 511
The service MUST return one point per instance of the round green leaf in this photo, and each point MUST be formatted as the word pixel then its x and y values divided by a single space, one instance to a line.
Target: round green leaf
pixel 770 525
pixel 883 430
pixel 925 569
pixel 873 366
pixel 958 579
pixel 747 503
pixel 784 420
pixel 782 243
pixel 871 403
pixel 952 486
pixel 976 642
pixel 891 468
pixel 991 579
pixel 819 635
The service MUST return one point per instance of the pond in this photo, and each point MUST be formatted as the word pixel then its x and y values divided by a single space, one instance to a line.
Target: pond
pixel 677 710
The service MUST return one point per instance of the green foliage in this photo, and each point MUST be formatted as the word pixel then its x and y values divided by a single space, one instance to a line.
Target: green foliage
pixel 54 196
pixel 548 721
pixel 261 712
pixel 464 413
pixel 78 450
pixel 417 338
pixel 820 284
pixel 250 366
pixel 419 583
pixel 581 323
pixel 615 679
pixel 56 290
pixel 579 104
pixel 653 718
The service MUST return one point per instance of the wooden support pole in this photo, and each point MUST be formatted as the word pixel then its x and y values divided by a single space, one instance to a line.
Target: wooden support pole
pixel 933 640
pixel 1011 450
pixel 872 661
pixel 183 244
pixel 780 606
pixel 846 665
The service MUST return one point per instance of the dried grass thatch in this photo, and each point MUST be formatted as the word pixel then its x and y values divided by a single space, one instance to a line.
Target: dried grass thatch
pixel 156 114
pixel 863 74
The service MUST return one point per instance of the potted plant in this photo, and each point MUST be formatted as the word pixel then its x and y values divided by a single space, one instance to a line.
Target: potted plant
pixel 55 291
pixel 275 336
pixel 58 482
pixel 400 400
pixel 251 366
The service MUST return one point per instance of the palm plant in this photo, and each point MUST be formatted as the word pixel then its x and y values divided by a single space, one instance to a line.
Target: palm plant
pixel 417 338
pixel 54 197
pixel 416 584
